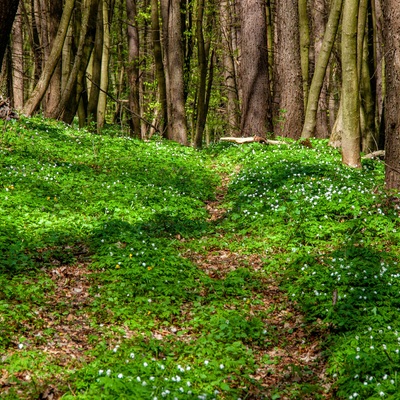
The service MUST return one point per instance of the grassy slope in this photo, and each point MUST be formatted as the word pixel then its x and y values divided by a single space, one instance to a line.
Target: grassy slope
pixel 106 288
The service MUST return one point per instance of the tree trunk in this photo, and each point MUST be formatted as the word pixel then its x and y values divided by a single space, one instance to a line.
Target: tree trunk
pixel 203 48
pixel 159 67
pixel 133 66
pixel 18 62
pixel 320 69
pixel 95 69
pixel 254 79
pixel 350 87
pixel 101 108
pixel 391 31
pixel 53 93
pixel 304 47
pixel 8 9
pixel 173 67
pixel 288 90
pixel 230 80
pixel 51 64
pixel 71 93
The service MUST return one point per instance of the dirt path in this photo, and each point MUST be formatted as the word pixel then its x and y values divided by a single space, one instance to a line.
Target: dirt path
pixel 296 367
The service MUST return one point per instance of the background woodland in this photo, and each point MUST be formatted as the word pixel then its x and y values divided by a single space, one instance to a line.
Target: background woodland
pixel 195 70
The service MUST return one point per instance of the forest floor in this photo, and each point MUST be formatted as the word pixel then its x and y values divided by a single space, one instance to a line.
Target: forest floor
pixel 132 270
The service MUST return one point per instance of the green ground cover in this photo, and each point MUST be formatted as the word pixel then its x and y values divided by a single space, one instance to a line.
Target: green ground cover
pixel 153 324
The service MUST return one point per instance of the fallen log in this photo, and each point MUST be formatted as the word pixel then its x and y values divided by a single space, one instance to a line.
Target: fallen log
pixel 252 139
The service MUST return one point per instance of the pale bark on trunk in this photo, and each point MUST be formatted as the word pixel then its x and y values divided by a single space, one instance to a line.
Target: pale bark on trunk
pixel 254 79
pixel 43 83
pixel 8 9
pixel 18 62
pixel 350 87
pixel 391 30
pixel 320 69
pixel 133 66
pixel 288 89
pixel 173 66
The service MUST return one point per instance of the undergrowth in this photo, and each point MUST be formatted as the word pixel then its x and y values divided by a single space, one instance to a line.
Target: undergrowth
pixel 160 326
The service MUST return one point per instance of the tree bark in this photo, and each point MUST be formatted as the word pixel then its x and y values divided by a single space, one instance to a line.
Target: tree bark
pixel 133 66
pixel 159 67
pixel 8 9
pixel 173 67
pixel 230 89
pixel 254 79
pixel 18 63
pixel 320 69
pixel 350 87
pixel 304 47
pixel 105 58
pixel 54 57
pixel 85 45
pixel 391 31
pixel 288 90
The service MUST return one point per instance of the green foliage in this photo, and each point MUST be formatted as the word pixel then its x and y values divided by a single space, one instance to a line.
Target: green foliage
pixel 160 327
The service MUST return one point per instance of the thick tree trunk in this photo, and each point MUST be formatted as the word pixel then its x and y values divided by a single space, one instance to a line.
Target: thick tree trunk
pixel 350 87
pixel 320 69
pixel 173 67
pixel 254 79
pixel 391 12
pixel 51 64
pixel 288 89
pixel 8 9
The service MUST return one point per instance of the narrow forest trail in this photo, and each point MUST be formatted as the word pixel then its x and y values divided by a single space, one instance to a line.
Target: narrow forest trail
pixel 295 368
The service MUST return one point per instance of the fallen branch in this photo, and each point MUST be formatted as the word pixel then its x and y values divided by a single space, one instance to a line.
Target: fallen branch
pixel 375 154
pixel 253 139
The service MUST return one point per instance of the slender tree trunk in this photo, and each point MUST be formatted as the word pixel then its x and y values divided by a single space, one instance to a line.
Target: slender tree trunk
pixel 254 79
pixel 8 9
pixel 203 48
pixel 87 35
pixel 173 67
pixel 304 47
pixel 230 78
pixel 320 69
pixel 391 31
pixel 159 67
pixel 105 58
pixel 288 89
pixel 133 67
pixel 51 64
pixel 18 62
pixel 96 67
pixel 350 87
pixel 53 93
